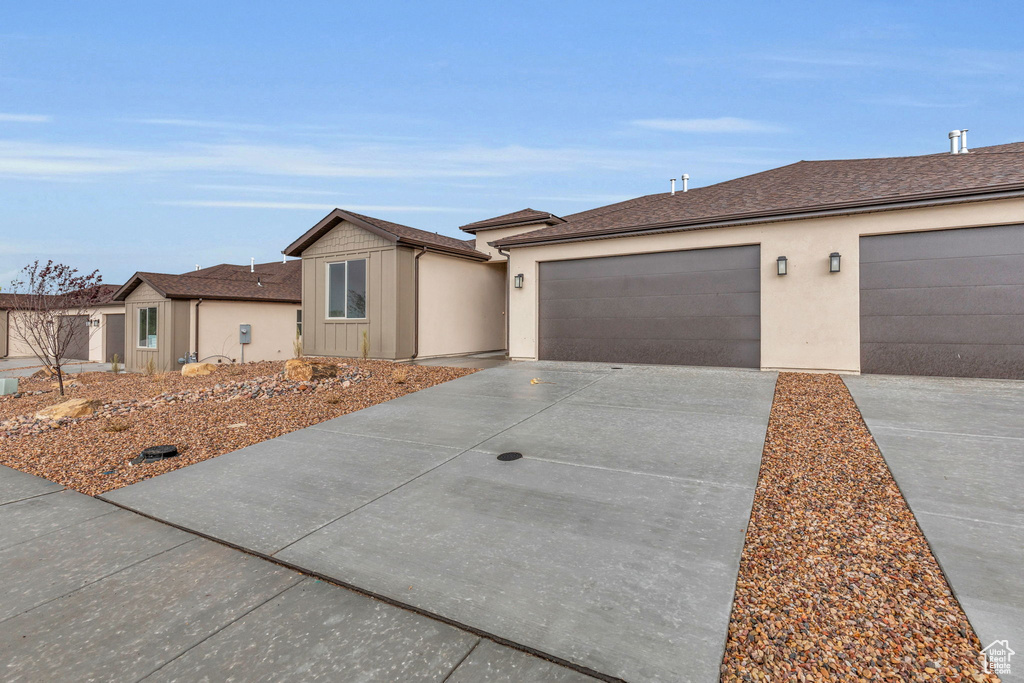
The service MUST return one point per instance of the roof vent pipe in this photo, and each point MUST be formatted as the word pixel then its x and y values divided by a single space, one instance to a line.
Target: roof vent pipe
pixel 954 142
pixel 673 181
pixel 252 265
pixel 963 141
pixel 197 266
pixel 686 181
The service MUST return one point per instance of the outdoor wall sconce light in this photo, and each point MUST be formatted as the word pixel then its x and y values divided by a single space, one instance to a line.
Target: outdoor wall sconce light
pixel 781 264
pixel 518 281
pixel 833 262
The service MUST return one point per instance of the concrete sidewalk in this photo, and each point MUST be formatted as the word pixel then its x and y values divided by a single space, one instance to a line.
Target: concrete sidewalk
pixel 612 545
pixel 956 449
pixel 24 367
pixel 94 592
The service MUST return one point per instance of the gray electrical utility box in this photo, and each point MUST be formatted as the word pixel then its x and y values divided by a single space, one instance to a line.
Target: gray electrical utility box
pixel 245 334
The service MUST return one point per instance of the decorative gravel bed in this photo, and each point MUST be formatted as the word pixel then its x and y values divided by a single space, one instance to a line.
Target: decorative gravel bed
pixel 836 581
pixel 236 406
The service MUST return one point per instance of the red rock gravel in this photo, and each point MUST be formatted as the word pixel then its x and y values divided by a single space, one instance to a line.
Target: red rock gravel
pixel 836 581
pixel 91 455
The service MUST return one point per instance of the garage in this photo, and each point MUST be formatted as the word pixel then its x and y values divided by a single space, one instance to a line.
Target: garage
pixel 694 307
pixel 947 303
pixel 78 346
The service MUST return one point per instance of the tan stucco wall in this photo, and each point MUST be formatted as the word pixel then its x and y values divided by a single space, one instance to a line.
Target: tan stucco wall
pixel 485 236
pixel 461 306
pixel 273 330
pixel 18 348
pixel 810 318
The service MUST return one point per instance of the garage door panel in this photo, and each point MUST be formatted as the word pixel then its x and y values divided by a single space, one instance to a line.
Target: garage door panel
pixel 945 272
pixel 703 327
pixel 651 284
pixel 699 307
pixel 672 262
pixel 654 307
pixel 947 303
pixel 996 240
pixel 945 360
pixel 944 329
pixel 997 300
pixel 661 351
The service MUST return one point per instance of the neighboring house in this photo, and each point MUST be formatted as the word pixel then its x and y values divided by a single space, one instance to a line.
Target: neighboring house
pixel 906 265
pixel 411 293
pixel 99 329
pixel 171 318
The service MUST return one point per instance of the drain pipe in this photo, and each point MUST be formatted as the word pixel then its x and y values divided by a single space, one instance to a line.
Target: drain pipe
pixel 198 304
pixel 416 304
pixel 508 273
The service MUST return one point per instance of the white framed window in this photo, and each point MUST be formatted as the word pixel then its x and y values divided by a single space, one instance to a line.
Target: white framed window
pixel 346 290
pixel 147 328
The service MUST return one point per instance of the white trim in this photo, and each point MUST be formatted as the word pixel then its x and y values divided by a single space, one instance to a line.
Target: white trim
pixel 327 289
pixel 138 321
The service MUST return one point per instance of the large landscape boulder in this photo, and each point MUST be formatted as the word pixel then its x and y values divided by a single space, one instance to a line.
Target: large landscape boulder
pixel 44 373
pixel 299 370
pixel 197 369
pixel 75 407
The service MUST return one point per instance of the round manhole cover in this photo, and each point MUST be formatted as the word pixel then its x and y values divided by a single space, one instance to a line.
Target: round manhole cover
pixel 506 457
pixel 155 453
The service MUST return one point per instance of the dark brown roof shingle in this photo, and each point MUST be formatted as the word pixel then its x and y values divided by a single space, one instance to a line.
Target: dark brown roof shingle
pixel 508 220
pixel 801 187
pixel 269 282
pixel 394 231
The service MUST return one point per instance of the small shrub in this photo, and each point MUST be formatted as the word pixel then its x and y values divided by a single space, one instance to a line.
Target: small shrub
pixel 365 346
pixel 297 346
pixel 149 369
pixel 115 425
pixel 332 399
pixel 400 374
pixel 115 364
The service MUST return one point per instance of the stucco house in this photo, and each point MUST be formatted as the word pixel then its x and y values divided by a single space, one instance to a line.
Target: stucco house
pixel 99 329
pixel 198 315
pixel 412 293
pixel 902 265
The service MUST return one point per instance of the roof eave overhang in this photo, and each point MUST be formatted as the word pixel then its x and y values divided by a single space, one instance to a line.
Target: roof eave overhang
pixel 550 220
pixel 467 254
pixel 990 194
pixel 134 281
pixel 326 224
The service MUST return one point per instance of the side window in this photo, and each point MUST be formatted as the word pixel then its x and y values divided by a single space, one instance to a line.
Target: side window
pixel 346 289
pixel 298 322
pixel 147 328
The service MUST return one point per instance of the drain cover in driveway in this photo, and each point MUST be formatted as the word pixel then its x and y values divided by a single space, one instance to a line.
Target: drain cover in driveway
pixel 155 453
pixel 506 457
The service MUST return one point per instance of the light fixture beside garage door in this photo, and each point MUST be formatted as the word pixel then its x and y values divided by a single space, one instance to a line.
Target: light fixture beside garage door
pixel 518 281
pixel 833 262
pixel 781 265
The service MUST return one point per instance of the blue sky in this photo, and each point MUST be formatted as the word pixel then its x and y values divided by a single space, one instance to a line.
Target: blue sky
pixel 154 136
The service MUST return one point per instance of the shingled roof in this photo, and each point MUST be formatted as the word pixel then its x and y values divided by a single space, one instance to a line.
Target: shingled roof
pixel 805 187
pixel 267 282
pixel 509 220
pixel 394 232
pixel 103 296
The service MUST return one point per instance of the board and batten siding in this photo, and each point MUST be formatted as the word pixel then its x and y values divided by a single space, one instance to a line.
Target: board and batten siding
pixel 388 323
pixel 171 331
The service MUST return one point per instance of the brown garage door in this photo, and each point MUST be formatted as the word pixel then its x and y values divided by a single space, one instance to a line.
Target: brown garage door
pixel 697 307
pixel 78 349
pixel 115 337
pixel 948 303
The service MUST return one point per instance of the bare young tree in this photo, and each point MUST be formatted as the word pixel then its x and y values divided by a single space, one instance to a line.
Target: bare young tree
pixel 45 300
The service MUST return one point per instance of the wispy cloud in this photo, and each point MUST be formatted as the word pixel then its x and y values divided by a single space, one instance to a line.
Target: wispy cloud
pixel 724 124
pixel 246 204
pixel 24 118
pixel 271 189
pixel 197 123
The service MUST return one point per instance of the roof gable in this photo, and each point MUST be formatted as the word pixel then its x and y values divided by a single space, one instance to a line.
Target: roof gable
pixel 392 232
pixel 508 220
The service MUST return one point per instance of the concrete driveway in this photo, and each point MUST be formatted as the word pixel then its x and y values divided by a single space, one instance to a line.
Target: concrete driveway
pixel 25 366
pixel 613 545
pixel 956 449
pixel 94 592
